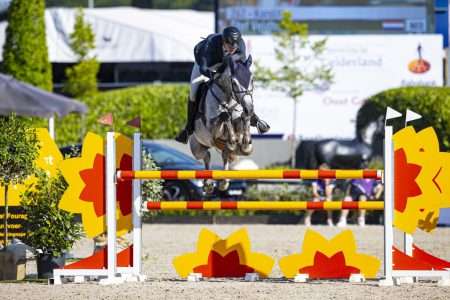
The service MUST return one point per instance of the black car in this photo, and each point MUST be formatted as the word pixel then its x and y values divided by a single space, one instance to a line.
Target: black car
pixel 167 158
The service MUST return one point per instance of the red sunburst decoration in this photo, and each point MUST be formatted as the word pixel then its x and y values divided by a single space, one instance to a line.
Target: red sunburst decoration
pixel 223 266
pixel 94 189
pixel 329 267
pixel 405 180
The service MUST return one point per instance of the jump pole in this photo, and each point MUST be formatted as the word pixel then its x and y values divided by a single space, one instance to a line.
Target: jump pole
pixel 111 210
pixel 263 205
pixel 136 210
pixel 251 174
pixel 388 205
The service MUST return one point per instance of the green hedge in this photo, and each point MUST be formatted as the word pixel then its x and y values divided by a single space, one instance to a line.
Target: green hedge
pixel 162 108
pixel 433 103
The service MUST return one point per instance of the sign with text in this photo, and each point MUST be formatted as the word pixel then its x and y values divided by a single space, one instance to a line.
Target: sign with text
pixel 16 222
pixel 363 65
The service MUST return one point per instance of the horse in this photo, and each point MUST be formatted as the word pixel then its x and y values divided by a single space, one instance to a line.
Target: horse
pixel 223 120
pixel 345 154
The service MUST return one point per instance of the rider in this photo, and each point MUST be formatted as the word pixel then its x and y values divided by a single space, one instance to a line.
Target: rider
pixel 209 57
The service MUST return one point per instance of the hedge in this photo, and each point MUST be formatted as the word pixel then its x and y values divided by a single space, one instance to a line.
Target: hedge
pixel 162 109
pixel 433 103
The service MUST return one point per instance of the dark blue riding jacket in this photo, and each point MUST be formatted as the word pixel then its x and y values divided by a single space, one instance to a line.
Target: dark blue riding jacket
pixel 209 52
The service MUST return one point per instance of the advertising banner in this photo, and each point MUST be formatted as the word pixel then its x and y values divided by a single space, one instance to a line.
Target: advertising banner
pixel 363 65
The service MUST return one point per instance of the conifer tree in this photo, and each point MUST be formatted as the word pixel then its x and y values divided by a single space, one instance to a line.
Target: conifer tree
pixel 82 77
pixel 25 54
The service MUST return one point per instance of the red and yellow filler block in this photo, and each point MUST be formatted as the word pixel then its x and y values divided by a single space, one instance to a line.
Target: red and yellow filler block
pixel 329 259
pixel 422 176
pixel 217 257
pixel 85 194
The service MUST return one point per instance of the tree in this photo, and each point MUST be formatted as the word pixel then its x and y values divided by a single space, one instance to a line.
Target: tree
pixel 25 54
pixel 19 148
pixel 300 66
pixel 82 77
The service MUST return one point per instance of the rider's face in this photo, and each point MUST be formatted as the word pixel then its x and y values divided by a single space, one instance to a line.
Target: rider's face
pixel 229 49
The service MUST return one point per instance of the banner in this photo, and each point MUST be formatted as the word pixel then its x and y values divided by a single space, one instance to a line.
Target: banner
pixel 363 65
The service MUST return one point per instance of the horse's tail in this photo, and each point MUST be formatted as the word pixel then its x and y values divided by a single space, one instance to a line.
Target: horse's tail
pixel 305 155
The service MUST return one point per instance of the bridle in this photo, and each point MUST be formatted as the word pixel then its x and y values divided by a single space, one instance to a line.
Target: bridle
pixel 235 92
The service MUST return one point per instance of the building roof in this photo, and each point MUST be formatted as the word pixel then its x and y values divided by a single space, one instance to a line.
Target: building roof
pixel 127 34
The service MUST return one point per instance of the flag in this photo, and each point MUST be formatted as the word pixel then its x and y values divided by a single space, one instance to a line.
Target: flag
pixel 411 116
pixel 392 113
pixel 136 122
pixel 106 119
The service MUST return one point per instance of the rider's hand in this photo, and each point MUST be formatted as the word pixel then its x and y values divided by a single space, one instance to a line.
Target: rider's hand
pixel 211 74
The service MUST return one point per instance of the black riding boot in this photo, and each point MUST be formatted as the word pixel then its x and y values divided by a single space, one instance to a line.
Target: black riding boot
pixel 183 136
pixel 261 125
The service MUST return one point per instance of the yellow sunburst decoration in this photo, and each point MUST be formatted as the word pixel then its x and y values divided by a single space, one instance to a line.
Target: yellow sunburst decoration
pixel 422 174
pixel 48 159
pixel 230 257
pixel 335 258
pixel 86 191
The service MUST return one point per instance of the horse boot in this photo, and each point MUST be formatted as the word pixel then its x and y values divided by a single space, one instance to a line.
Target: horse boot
pixel 183 136
pixel 261 125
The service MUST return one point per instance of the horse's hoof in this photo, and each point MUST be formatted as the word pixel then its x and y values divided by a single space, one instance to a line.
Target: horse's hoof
pixel 224 185
pixel 208 186
pixel 246 140
pixel 231 146
pixel 247 149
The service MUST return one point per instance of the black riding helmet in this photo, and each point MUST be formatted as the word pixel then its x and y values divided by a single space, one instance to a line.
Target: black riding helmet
pixel 231 35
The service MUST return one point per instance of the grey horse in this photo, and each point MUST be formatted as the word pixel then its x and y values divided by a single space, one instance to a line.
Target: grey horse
pixel 224 118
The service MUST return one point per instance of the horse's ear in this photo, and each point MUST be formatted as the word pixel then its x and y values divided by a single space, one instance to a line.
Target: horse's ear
pixel 249 61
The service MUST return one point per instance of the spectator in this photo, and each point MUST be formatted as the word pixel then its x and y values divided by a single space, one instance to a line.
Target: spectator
pixel 360 190
pixel 322 190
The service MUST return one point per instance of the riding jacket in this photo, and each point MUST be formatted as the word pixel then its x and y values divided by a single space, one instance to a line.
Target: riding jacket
pixel 209 53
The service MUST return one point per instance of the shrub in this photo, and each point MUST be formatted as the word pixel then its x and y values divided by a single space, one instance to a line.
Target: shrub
pixel 49 229
pixel 162 108
pixel 433 103
pixel 82 78
pixel 19 148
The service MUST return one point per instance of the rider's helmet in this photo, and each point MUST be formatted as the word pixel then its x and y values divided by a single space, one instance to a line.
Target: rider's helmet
pixel 231 35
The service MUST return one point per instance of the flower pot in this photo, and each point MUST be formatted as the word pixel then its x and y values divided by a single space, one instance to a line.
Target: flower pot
pixel 46 263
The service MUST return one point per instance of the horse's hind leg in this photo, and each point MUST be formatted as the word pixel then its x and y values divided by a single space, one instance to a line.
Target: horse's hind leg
pixel 201 152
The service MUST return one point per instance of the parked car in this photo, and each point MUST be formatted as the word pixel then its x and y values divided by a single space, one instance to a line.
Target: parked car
pixel 167 158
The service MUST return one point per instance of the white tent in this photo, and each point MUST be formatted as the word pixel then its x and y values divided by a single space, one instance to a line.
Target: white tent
pixel 126 34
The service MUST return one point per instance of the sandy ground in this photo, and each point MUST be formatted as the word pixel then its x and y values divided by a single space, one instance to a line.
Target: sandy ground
pixel 164 242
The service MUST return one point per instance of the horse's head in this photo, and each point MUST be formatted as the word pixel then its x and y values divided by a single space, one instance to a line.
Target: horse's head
pixel 368 131
pixel 242 83
pixel 236 82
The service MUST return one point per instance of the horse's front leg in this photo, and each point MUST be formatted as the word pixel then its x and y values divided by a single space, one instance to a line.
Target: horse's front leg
pixel 246 147
pixel 208 184
pixel 225 183
pixel 232 138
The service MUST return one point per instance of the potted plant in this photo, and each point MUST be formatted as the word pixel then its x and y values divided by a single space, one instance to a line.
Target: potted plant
pixel 19 147
pixel 50 230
